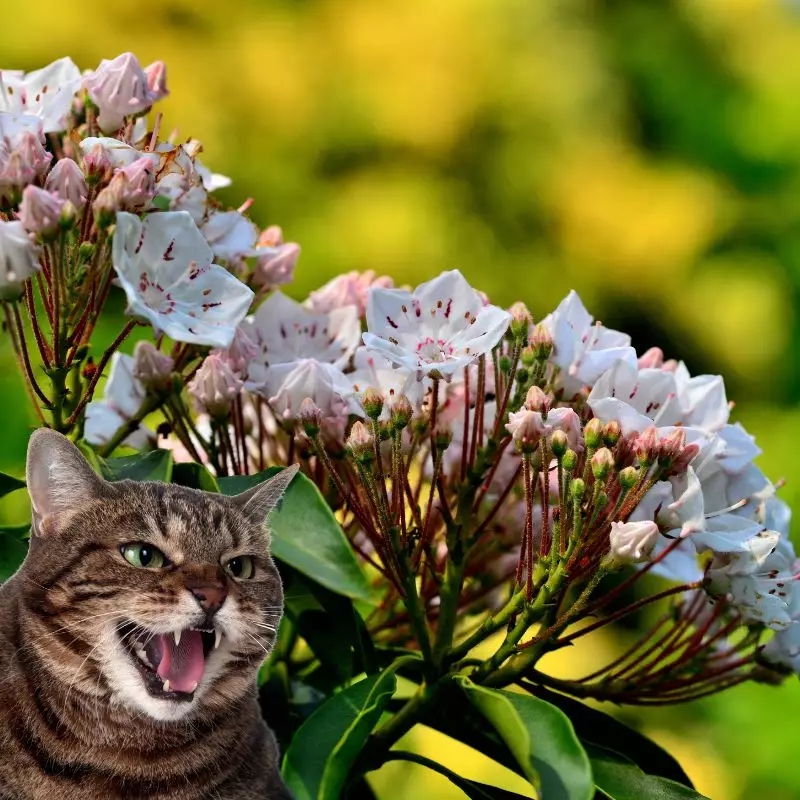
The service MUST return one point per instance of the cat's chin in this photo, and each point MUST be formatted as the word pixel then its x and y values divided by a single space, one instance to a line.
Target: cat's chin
pixel 163 674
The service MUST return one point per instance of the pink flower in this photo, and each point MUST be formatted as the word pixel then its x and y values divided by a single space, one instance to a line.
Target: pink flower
pixel 214 387
pixel 152 368
pixel 157 80
pixel 526 428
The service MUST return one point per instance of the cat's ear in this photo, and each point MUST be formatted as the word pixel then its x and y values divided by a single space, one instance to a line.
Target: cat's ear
pixel 258 502
pixel 60 480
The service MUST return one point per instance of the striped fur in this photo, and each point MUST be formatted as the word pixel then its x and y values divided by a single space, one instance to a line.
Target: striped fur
pixel 73 721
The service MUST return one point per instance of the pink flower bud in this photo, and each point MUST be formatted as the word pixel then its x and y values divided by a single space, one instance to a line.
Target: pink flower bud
pixel 96 164
pixel 151 367
pixel 401 412
pixel 310 417
pixel 593 433
pixel 157 80
pixel 652 359
pixel 67 181
pixel 243 349
pixel 526 428
pixel 671 446
pixel 537 400
pixel 350 289
pixel 214 387
pixel 29 146
pixel 646 446
pixel 541 342
pixel 118 88
pixel 359 442
pixel 275 269
pixel 15 175
pixel 136 184
pixel 602 463
pixel 633 542
pixel 40 211
pixel 566 419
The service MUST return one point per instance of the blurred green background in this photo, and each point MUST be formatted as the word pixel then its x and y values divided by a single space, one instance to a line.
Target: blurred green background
pixel 644 152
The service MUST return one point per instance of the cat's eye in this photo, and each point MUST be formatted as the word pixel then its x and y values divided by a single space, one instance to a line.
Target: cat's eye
pixel 241 567
pixel 143 555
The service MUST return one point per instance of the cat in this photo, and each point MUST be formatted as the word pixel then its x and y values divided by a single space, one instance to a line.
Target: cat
pixel 131 638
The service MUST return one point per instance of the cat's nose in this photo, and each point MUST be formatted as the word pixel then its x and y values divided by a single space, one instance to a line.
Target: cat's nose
pixel 210 596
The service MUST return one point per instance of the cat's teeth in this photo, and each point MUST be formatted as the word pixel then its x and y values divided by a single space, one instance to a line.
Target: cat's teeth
pixel 193 688
pixel 177 635
pixel 218 638
pixel 167 687
pixel 142 656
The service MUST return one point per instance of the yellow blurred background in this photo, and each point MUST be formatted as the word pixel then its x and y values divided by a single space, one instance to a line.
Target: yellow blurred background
pixel 643 152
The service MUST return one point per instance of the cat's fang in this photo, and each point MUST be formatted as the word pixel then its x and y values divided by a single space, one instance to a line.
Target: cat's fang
pixel 177 635
pixel 167 686
pixel 217 638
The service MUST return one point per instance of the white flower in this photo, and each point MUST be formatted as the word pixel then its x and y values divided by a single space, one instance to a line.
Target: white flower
pixel 166 268
pixel 46 93
pixel 288 384
pixel 375 372
pixel 287 331
pixel 440 328
pixel 583 349
pixel 231 235
pixel 116 152
pixel 784 647
pixel 122 398
pixel 761 581
pixel 19 258
pixel 350 289
pixel 633 542
pixel 179 180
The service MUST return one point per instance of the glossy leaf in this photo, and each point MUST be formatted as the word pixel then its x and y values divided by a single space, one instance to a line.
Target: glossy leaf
pixel 8 484
pixel 195 476
pixel 13 548
pixel 307 536
pixel 598 728
pixel 318 761
pixel 540 737
pixel 618 778
pixel 153 466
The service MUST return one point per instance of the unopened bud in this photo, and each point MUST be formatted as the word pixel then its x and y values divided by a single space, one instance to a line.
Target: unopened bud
pixel 537 400
pixel 577 489
pixel 32 152
pixel 157 80
pixel 67 181
pixel 505 364
pixel 310 417
pixel 133 186
pixel 527 357
pixel 541 342
pixel 628 478
pixel 558 443
pixel 570 460
pixel 521 321
pixel 593 433
pixel 119 88
pixel 442 438
pixel 526 428
pixel 632 542
pixel 152 368
pixel 40 211
pixel 214 387
pixel 360 442
pixel 652 359
pixel 96 165
pixel 646 446
pixel 401 412
pixel 671 446
pixel 602 463
pixel 611 433
pixel 372 400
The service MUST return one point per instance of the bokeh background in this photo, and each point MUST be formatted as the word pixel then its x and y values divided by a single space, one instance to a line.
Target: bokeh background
pixel 645 153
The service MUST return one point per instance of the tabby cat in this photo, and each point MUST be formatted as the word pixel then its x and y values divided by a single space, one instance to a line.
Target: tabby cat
pixel 131 637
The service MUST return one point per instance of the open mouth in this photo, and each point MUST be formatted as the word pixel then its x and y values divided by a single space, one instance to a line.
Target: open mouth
pixel 171 664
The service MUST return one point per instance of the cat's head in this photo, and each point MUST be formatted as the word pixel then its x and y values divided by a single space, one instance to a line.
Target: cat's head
pixel 154 597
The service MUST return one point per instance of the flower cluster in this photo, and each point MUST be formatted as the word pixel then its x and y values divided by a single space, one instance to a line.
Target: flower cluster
pixel 494 475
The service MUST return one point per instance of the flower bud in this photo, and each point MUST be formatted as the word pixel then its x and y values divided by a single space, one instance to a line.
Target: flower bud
pixel 541 342
pixel 97 165
pixel 646 446
pixel 31 150
pixel 671 446
pixel 526 428
pixel 372 400
pixel 400 412
pixel 632 542
pixel 151 367
pixel 593 433
pixel 310 417
pixel 504 362
pixel 214 387
pixel 628 478
pixel 681 463
pixel 577 489
pixel 442 438
pixel 118 88
pixel 105 206
pixel 602 463
pixel 40 211
pixel 611 433
pixel 157 80
pixel 652 359
pixel 241 352
pixel 537 400
pixel 360 442
pixel 521 321
pixel 133 186
pixel 275 268
pixel 558 443
pixel 19 258
pixel 570 460
pixel 527 357
pixel 67 181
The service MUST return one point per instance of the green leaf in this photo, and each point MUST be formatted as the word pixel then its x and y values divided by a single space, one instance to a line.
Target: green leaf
pixel 153 466
pixel 195 476
pixel 540 737
pixel 307 536
pixel 318 761
pixel 472 789
pixel 598 728
pixel 13 548
pixel 618 778
pixel 9 484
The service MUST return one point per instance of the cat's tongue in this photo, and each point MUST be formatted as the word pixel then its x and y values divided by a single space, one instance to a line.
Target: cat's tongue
pixel 182 665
